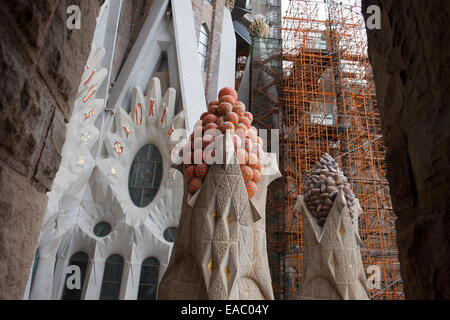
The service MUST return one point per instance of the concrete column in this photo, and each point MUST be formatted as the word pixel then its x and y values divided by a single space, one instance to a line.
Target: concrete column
pixel 224 73
pixel 94 277
pixel 191 80
pixel 130 284
pixel 43 279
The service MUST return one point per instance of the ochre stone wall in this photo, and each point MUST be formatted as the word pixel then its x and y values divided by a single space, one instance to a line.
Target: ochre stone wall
pixel 41 64
pixel 410 56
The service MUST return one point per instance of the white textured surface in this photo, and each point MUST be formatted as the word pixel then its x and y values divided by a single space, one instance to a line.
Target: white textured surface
pixel 143 58
pixel 224 75
pixel 191 81
pixel 89 190
pixel 244 87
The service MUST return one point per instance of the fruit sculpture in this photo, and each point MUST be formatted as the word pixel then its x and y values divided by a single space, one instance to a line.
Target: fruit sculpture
pixel 322 186
pixel 333 267
pixel 224 116
pixel 220 252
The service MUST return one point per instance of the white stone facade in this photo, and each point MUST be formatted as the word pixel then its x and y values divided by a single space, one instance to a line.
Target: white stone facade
pixel 106 131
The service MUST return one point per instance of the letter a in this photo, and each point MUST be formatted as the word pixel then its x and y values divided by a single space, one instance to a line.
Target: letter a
pixel 74 20
pixel 74 281
pixel 374 21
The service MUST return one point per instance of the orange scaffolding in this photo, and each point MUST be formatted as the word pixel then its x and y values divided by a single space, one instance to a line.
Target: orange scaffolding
pixel 329 105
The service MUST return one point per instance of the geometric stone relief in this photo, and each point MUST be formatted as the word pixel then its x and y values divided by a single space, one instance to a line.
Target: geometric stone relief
pixel 220 252
pixel 88 190
pixel 333 268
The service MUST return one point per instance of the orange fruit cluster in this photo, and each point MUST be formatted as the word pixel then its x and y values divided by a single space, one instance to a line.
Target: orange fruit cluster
pixel 224 115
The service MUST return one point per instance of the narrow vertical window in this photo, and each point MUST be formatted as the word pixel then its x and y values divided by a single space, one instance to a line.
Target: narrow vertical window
pixel 79 259
pixel 33 270
pixel 112 278
pixel 148 282
pixel 203 46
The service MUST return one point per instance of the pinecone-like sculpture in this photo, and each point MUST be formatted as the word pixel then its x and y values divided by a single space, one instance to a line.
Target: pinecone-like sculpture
pixel 322 186
pixel 220 251
pixel 230 4
pixel 259 28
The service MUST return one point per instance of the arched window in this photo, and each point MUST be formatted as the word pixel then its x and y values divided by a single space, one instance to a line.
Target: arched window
pixel 170 234
pixel 145 175
pixel 148 282
pixel 203 46
pixel 112 277
pixel 79 259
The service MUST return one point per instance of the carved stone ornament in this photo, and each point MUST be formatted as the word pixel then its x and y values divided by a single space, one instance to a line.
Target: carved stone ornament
pixel 220 252
pixel 333 268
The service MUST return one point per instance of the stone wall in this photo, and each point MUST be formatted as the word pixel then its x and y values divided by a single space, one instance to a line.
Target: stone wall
pixel 410 56
pixel 41 63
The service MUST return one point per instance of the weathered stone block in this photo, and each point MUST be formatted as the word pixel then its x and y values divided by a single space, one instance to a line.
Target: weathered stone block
pixel 41 62
pixel 51 154
pixel 22 211
pixel 410 57
pixel 30 21
pixel 65 51
pixel 26 109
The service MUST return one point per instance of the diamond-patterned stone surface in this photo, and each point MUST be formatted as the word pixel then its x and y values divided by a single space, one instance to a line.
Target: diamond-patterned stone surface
pixel 332 258
pixel 221 231
pixel 232 254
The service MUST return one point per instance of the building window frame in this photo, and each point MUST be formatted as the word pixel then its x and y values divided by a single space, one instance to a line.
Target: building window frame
pixel 203 45
pixel 80 259
pixel 112 278
pixel 148 281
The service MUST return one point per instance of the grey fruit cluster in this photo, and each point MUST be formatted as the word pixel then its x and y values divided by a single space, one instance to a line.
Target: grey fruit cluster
pixel 322 186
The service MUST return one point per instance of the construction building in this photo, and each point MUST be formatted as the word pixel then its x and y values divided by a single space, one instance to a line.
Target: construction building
pixel 328 104
pixel 308 80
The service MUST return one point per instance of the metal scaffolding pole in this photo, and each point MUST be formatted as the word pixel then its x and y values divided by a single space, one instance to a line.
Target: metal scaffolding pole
pixel 328 104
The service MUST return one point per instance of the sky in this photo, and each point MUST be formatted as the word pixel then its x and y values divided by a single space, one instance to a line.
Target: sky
pixel 322 13
pixel 284 6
